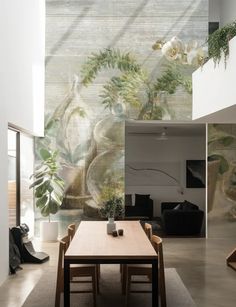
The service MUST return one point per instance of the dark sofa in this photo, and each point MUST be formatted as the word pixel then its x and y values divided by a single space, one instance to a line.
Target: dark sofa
pixel 181 218
pixel 143 207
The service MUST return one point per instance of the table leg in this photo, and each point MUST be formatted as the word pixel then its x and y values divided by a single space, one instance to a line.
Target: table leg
pixel 155 296
pixel 66 284
pixel 124 278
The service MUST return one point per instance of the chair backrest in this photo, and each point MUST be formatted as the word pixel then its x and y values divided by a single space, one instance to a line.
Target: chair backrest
pixel 63 245
pixel 71 231
pixel 157 244
pixel 148 230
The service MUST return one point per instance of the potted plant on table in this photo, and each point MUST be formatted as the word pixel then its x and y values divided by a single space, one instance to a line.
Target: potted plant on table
pixel 49 191
pixel 112 206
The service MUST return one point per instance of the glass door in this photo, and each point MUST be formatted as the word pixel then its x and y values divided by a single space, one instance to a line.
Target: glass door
pixel 20 167
pixel 13 191
pixel 26 170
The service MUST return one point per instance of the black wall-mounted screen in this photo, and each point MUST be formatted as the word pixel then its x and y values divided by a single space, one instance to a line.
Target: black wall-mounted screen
pixel 195 173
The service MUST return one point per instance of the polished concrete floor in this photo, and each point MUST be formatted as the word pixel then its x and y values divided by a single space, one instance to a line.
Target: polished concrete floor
pixel 199 262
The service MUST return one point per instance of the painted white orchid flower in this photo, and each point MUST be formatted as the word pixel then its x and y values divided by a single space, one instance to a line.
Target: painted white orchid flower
pixel 196 56
pixel 191 45
pixel 177 43
pixel 186 54
pixel 173 49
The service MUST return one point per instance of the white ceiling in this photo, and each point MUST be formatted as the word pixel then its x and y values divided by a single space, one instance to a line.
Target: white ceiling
pixel 173 129
pixel 224 116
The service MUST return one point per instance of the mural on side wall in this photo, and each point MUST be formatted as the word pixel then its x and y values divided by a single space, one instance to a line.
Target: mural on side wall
pixel 221 179
pixel 106 63
pixel 90 156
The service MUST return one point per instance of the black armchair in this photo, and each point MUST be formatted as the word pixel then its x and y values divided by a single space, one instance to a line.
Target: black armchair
pixel 143 207
pixel 186 219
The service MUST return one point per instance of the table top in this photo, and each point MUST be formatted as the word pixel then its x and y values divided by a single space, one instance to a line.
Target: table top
pixel 91 241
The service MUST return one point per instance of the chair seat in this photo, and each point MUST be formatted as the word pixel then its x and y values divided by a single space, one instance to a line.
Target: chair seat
pixel 82 270
pixel 140 269
pixel 139 266
pixel 82 266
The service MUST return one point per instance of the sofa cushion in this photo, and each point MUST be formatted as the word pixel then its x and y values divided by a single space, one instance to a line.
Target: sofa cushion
pixel 141 199
pixel 178 207
pixel 128 200
pixel 187 206
pixel 182 222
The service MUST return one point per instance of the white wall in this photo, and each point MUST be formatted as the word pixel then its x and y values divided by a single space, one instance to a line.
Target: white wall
pixel 21 87
pixel 214 85
pixel 22 64
pixel 214 10
pixel 223 11
pixel 178 149
pixel 3 192
pixel 227 11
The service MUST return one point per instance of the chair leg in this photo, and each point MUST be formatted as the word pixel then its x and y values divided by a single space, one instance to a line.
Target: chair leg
pixel 98 268
pixel 58 298
pixel 121 271
pixel 94 287
pixel 162 292
pixel 124 278
pixel 128 285
pixel 97 272
pixel 59 290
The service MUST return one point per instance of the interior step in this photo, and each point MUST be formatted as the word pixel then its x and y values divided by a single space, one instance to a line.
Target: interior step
pixel 232 265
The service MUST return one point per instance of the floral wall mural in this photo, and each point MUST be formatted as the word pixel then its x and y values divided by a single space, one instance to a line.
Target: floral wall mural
pixel 108 61
pixel 221 180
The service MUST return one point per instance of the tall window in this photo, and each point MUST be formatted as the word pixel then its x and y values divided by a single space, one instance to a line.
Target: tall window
pixel 20 167
pixel 26 169
pixel 12 179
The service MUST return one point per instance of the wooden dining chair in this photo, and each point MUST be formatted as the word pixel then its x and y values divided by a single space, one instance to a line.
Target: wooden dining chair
pixel 146 270
pixel 148 230
pixel 123 270
pixel 71 231
pixel 75 271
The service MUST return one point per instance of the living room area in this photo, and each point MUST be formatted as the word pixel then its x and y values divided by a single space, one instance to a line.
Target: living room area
pixel 165 176
pixel 99 142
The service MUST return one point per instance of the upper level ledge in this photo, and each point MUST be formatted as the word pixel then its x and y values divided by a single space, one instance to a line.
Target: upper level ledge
pixel 214 89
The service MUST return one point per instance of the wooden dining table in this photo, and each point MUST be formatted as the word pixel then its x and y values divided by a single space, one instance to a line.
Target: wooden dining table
pixel 92 245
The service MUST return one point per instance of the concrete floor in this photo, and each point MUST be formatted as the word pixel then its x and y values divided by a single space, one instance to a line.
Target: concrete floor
pixel 199 262
pixel 202 267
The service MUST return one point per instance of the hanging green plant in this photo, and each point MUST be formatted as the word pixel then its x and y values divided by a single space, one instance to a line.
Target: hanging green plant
pixel 218 42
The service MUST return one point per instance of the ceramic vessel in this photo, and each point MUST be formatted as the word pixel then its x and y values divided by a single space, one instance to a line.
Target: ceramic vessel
pixel 48 231
pixel 111 225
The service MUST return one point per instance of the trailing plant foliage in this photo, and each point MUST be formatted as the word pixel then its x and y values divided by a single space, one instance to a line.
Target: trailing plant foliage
pixel 48 185
pixel 133 86
pixel 218 42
